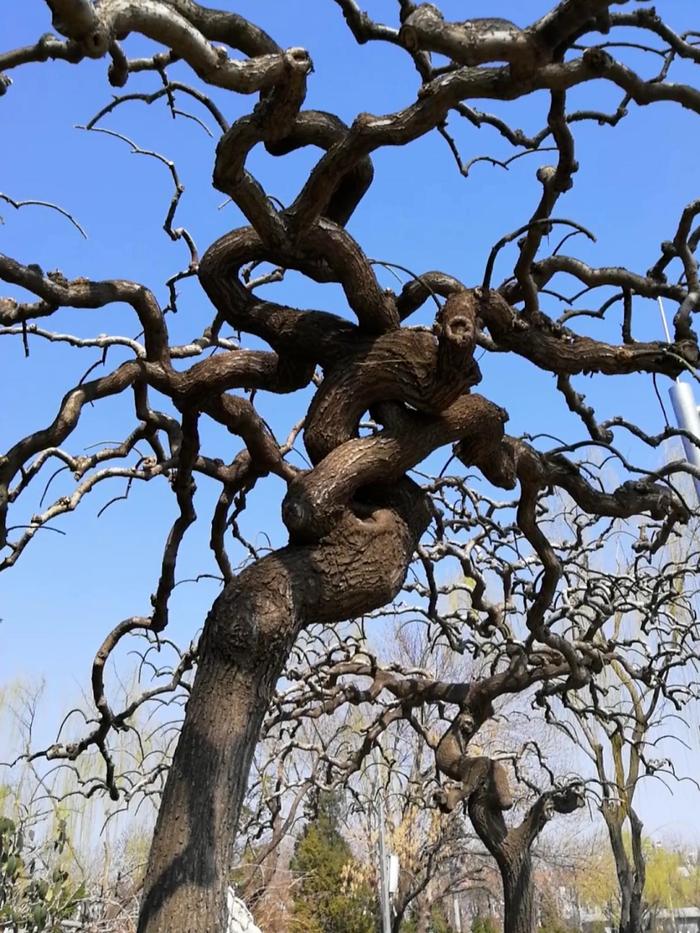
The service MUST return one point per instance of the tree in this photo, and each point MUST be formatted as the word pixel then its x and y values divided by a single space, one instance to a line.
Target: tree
pixel 671 880
pixel 328 899
pixel 312 744
pixel 354 517
pixel 550 920
pixel 631 717
pixel 606 609
pixel 64 856
pixel 618 790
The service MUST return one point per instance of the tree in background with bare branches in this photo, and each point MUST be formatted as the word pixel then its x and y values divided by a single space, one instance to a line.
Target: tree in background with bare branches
pixel 423 702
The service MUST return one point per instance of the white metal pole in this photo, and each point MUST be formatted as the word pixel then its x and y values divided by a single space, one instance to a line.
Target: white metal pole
pixel 458 913
pixel 686 411
pixel 383 867
pixel 664 323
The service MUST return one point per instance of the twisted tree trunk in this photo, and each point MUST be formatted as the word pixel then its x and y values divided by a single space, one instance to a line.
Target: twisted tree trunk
pixel 354 521
pixel 247 637
pixel 631 873
pixel 512 848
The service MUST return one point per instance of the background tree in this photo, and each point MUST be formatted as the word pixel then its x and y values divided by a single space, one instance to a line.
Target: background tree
pixel 354 517
pixel 640 622
pixel 66 861
pixel 36 892
pixel 627 723
pixel 330 896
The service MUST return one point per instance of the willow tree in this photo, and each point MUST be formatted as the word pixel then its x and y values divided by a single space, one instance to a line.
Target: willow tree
pixel 354 518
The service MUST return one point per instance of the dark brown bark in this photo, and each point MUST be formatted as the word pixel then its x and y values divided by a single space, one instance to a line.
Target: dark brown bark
pixel 512 847
pixel 359 566
pixel 192 845
pixel 631 873
pixel 637 900
pixel 511 850
pixel 518 893
pixel 353 519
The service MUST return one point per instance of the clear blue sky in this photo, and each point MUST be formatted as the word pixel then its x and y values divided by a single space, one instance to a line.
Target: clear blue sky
pixel 66 592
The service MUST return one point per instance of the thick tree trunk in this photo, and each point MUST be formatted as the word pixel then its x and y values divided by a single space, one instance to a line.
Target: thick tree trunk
pixel 192 847
pixel 631 874
pixel 631 902
pixel 359 566
pixel 625 885
pixel 635 916
pixel 512 848
pixel 637 901
pixel 518 893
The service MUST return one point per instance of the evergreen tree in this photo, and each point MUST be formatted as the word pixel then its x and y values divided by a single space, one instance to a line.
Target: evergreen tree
pixel 331 895
pixel 550 919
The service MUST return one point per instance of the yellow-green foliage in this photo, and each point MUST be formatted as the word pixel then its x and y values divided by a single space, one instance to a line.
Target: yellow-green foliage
pixel 672 879
pixel 60 843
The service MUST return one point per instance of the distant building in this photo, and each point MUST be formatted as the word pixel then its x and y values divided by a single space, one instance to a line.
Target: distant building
pixel 680 920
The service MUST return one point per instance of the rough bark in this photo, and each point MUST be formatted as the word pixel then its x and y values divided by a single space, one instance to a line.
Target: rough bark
pixel 511 850
pixel 631 873
pixel 359 566
pixel 354 520
pixel 512 847
pixel 191 850
pixel 519 914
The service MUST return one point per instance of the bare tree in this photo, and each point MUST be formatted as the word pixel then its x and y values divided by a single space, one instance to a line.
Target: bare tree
pixel 630 719
pixel 609 746
pixel 338 738
pixel 354 518
pixel 391 696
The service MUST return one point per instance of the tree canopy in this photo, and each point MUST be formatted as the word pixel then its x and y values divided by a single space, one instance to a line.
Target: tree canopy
pixel 380 378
